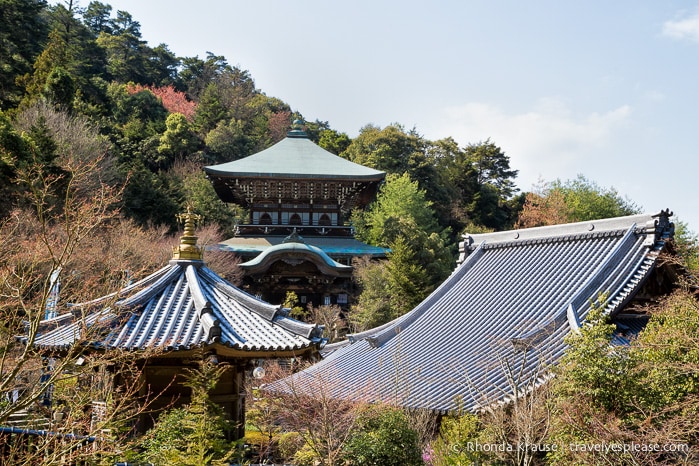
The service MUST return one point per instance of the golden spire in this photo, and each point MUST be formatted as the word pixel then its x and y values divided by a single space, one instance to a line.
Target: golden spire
pixel 188 249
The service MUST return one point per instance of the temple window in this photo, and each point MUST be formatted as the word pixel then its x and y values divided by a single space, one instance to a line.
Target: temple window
pixel 295 219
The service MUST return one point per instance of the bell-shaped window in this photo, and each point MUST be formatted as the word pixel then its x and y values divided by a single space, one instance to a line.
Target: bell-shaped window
pixel 324 220
pixel 295 219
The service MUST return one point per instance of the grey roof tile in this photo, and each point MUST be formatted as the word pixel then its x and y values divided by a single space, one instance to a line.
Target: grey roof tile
pixel 511 301
pixel 181 306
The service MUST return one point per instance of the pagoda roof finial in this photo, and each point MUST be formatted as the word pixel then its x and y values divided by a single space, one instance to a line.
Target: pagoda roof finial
pixel 188 248
pixel 297 130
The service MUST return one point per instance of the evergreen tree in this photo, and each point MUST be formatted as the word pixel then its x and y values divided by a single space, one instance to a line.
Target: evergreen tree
pixel 22 36
pixel 195 434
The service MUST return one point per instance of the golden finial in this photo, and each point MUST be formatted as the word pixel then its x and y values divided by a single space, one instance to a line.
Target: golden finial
pixel 188 249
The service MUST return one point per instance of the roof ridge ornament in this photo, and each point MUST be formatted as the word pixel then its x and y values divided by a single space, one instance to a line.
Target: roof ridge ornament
pixel 662 225
pixel 294 237
pixel 188 248
pixel 297 130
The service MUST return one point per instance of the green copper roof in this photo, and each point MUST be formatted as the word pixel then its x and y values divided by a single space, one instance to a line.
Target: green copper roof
pixel 295 157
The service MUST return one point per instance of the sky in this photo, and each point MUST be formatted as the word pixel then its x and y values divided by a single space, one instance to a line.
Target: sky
pixel 606 89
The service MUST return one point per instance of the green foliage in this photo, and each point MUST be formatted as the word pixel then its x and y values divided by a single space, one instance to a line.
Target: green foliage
pixel 178 140
pixel 383 437
pixel 291 301
pixel 586 200
pixel 198 192
pixel 373 306
pixel 228 141
pixel 400 206
pixel 151 198
pixel 479 183
pixel 402 220
pixel 687 247
pixel 193 435
pixel 407 280
pixel 645 393
pixel 22 36
pixel 15 151
pixel 666 354
pixel 591 369
pixel 289 444
pixel 388 149
pixel 451 447
pixel 334 141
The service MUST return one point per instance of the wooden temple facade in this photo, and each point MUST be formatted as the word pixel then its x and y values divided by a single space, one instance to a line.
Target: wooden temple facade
pixel 174 317
pixel 298 237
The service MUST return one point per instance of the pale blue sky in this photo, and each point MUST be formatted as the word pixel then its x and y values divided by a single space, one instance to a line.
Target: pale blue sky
pixel 608 89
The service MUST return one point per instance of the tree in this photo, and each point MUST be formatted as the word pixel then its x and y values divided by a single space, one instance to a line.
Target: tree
pixel 542 207
pixel 97 18
pixel 198 192
pixel 195 434
pixel 324 422
pixel 66 210
pixel 22 36
pixel 51 79
pixel 373 306
pixel 453 446
pixel 178 140
pixel 387 149
pixel 383 436
pixel 687 247
pixel 15 151
pixel 400 199
pixel 334 141
pixel 574 200
pixel 400 219
pixel 645 393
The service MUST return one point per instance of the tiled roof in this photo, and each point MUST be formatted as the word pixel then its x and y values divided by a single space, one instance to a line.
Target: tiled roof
pixel 294 157
pixel 499 319
pixel 182 306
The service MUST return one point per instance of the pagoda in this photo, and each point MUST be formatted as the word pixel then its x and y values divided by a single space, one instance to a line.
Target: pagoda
pixel 175 315
pixel 298 237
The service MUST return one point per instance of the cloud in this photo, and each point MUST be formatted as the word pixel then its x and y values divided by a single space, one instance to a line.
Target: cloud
pixel 548 141
pixel 687 28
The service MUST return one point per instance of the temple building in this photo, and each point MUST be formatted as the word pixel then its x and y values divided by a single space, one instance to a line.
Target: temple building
pixel 176 315
pixel 496 325
pixel 298 238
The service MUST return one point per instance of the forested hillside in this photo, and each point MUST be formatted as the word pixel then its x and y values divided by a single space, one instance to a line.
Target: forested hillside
pixel 82 84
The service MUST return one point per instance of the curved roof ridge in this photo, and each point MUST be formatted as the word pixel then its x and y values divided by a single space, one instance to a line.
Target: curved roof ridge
pixel 275 314
pixel 144 282
pixel 208 320
pixel 285 248
pixel 153 287
pixel 264 309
